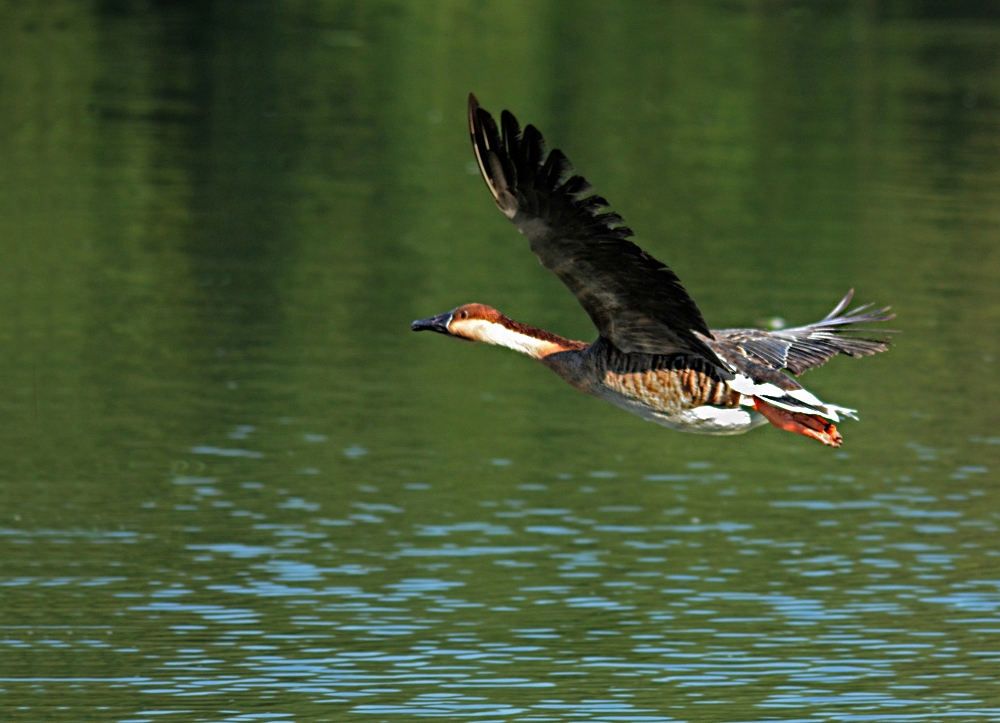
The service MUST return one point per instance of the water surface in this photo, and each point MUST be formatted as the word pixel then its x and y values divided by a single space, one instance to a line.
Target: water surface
pixel 237 488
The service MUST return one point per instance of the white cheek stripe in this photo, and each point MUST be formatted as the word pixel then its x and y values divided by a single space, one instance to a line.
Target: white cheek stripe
pixel 492 333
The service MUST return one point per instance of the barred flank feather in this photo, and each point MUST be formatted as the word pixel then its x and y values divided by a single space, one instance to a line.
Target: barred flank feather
pixel 664 383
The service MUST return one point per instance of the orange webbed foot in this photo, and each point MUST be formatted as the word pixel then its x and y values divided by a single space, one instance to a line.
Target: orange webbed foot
pixel 805 424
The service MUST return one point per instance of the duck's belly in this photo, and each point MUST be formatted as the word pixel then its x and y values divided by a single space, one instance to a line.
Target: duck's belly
pixel 698 420
pixel 709 420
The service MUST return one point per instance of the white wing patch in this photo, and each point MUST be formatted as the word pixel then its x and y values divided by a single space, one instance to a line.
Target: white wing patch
pixel 793 400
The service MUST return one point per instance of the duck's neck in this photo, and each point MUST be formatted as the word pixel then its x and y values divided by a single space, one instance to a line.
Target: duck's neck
pixel 536 343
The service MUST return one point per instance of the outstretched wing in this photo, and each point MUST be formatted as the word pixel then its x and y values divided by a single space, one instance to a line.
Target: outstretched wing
pixel 635 301
pixel 804 347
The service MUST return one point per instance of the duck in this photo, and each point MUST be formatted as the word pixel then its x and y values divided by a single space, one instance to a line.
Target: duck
pixel 654 355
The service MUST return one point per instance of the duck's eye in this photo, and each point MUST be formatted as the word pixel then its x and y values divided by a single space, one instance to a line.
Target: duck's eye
pixel 463 314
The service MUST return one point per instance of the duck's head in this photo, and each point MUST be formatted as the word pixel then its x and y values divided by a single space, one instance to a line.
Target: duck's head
pixel 479 322
pixel 471 322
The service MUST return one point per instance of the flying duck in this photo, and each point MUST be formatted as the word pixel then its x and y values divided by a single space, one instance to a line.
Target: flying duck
pixel 654 355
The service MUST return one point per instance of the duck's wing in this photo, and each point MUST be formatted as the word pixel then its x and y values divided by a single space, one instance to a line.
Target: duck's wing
pixel 635 301
pixel 804 347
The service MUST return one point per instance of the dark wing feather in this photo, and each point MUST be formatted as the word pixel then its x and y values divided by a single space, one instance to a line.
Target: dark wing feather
pixel 635 301
pixel 804 347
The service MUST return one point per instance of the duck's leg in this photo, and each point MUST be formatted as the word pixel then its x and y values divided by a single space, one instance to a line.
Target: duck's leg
pixel 805 424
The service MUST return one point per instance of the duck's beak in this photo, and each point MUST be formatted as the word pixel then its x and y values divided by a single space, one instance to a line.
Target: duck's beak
pixel 437 323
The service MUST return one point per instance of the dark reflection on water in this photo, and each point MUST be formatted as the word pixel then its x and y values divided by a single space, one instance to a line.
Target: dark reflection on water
pixel 236 488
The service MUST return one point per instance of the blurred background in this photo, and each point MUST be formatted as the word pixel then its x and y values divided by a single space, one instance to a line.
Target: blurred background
pixel 235 486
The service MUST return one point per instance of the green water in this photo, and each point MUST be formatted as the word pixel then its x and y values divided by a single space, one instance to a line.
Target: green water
pixel 235 487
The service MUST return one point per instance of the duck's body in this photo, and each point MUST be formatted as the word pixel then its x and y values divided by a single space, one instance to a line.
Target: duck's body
pixel 654 357
pixel 678 391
